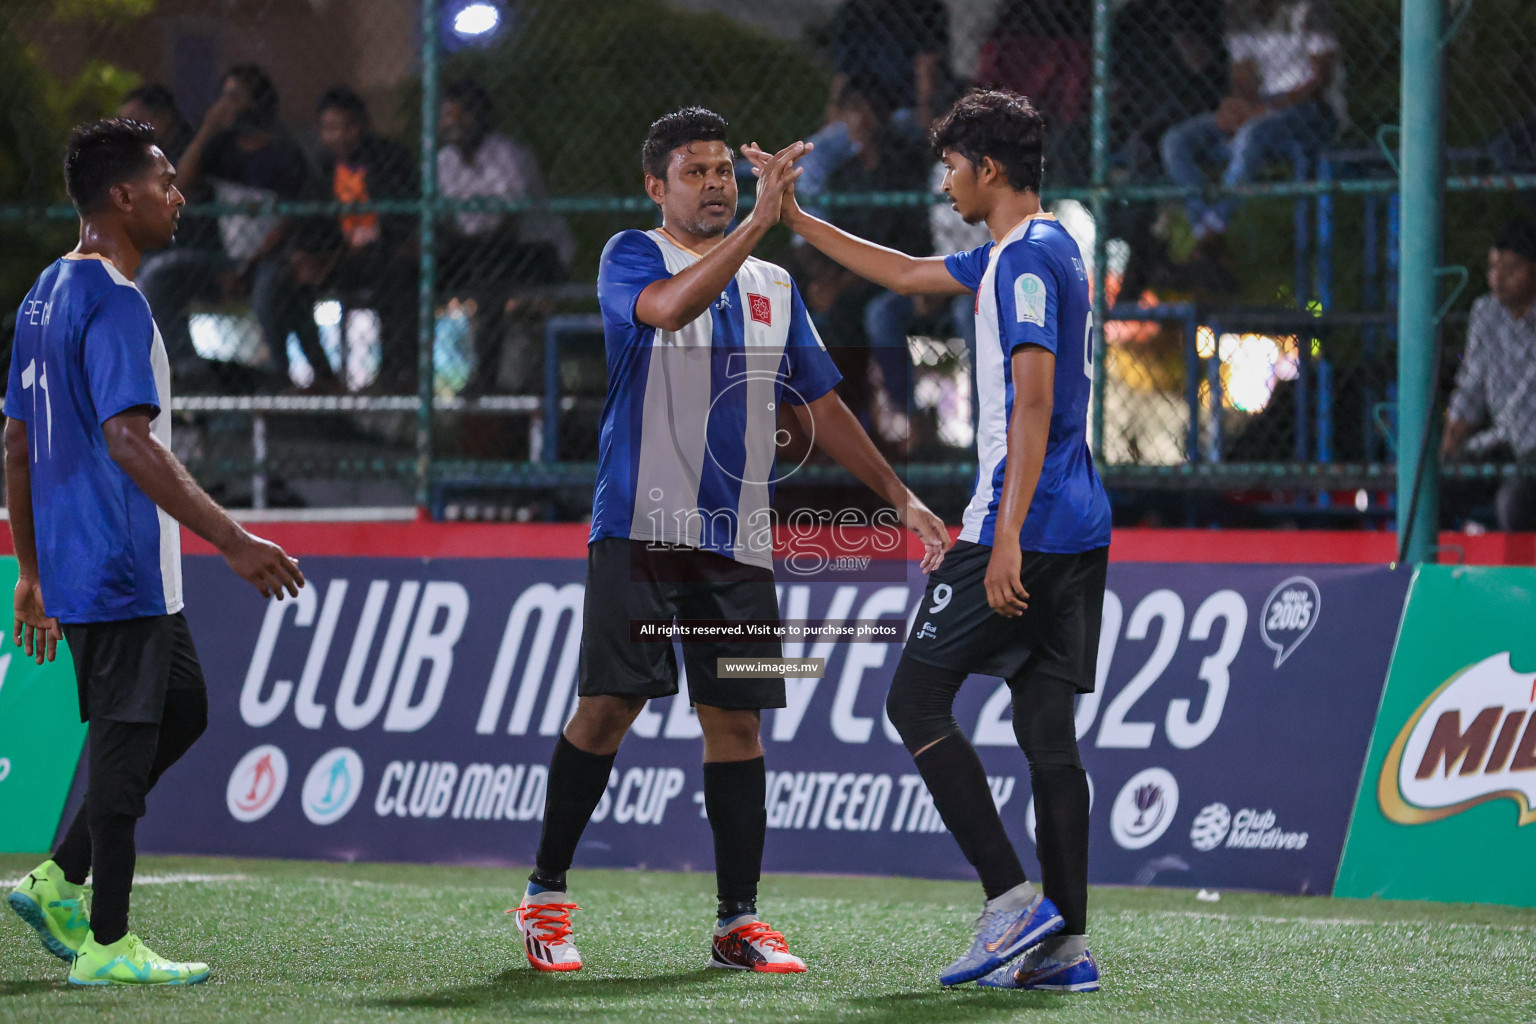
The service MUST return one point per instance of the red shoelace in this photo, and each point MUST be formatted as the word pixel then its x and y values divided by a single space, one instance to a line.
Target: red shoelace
pixel 760 933
pixel 551 921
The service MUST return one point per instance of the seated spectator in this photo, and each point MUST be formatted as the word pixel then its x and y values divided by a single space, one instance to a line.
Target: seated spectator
pixel 1044 50
pixel 1492 411
pixel 887 158
pixel 1169 63
pixel 482 254
pixel 1513 150
pixel 155 105
pixel 243 155
pixel 369 256
pixel 1286 92
pixel 897 49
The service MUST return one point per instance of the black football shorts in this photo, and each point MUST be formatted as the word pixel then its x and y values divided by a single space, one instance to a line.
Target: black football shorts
pixel 637 581
pixel 1057 636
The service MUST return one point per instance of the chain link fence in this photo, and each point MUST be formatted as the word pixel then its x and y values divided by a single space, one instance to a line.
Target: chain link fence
pixel 396 210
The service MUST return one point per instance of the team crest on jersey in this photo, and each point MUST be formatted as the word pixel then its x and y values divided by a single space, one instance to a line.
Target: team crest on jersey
pixel 761 309
pixel 1029 299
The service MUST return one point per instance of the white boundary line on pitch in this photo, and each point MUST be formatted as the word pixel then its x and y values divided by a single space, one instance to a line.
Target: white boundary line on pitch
pixel 170 879
pixel 1325 922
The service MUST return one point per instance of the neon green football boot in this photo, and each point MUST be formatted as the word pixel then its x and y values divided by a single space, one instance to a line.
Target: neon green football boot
pixel 54 908
pixel 129 962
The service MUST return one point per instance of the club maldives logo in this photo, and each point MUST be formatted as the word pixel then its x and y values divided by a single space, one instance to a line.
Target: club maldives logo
pixel 332 786
pixel 1473 740
pixel 1290 612
pixel 1145 808
pixel 257 783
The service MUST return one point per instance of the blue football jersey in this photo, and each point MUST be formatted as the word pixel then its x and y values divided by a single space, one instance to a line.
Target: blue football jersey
pixel 686 453
pixel 86 350
pixel 1032 289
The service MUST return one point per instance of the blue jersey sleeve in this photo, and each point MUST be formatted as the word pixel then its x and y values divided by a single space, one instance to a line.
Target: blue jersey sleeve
pixel 811 371
pixel 967 267
pixel 1028 290
pixel 15 407
pixel 116 346
pixel 630 262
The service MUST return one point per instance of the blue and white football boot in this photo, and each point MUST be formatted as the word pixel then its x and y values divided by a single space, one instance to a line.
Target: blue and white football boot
pixel 1051 966
pixel 1008 925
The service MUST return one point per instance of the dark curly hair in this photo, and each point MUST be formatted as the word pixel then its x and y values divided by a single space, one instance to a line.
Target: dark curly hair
pixel 679 128
pixel 104 153
pixel 998 124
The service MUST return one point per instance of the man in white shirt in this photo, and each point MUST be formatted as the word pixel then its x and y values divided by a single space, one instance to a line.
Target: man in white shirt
pixel 1287 91
pixel 482 254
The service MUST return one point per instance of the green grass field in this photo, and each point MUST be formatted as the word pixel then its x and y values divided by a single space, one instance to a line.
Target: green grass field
pixel 303 941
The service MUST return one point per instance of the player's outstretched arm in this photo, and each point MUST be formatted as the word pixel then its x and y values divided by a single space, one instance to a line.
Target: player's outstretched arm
pixel 161 476
pixel 32 629
pixel 903 274
pixel 675 302
pixel 839 434
pixel 1034 382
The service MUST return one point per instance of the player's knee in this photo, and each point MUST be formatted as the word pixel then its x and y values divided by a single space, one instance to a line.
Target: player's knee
pixel 599 724
pixel 920 711
pixel 1044 723
pixel 730 734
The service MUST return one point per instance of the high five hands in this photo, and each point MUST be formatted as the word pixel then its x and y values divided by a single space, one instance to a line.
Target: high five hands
pixel 776 176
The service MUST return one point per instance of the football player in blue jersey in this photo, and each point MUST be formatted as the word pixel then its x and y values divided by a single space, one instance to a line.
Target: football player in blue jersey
pixel 95 496
pixel 1021 594
pixel 704 344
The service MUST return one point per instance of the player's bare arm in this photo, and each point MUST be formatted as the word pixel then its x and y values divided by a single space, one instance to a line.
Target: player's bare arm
pixel 1034 379
pixel 161 476
pixel 33 629
pixel 838 433
pixel 675 302
pixel 903 274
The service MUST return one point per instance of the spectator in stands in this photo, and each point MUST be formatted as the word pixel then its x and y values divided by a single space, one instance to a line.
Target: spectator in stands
pixel 1286 96
pixel 1492 411
pixel 369 258
pixel 896 50
pixel 887 159
pixel 243 155
pixel 1044 50
pixel 1513 150
pixel 155 105
pixel 482 255
pixel 1169 65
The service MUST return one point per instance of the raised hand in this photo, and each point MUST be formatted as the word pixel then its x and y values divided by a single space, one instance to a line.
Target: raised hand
pixel 776 178
pixel 33 629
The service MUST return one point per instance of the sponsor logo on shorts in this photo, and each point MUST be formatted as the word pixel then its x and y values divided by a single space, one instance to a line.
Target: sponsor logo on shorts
pixel 332 786
pixel 1144 808
pixel 1248 829
pixel 928 632
pixel 256 784
pixel 1290 612
pixel 1473 740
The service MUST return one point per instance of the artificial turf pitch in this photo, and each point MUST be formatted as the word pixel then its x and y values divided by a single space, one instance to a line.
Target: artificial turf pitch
pixel 304 941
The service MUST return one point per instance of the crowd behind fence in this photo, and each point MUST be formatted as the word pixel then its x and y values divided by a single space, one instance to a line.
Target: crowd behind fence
pixel 382 290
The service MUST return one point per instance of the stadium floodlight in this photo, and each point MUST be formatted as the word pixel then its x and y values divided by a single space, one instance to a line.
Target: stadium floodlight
pixel 477 20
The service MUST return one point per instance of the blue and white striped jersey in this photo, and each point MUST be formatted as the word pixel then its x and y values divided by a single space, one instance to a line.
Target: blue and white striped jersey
pixel 87 349
pixel 687 450
pixel 1031 289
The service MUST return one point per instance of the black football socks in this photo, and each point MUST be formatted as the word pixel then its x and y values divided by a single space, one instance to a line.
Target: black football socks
pixel 735 795
pixel 577 781
pixel 958 783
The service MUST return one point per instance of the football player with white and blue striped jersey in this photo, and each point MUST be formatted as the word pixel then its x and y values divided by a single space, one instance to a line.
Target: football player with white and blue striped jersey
pixel 1021 594
pixel 705 345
